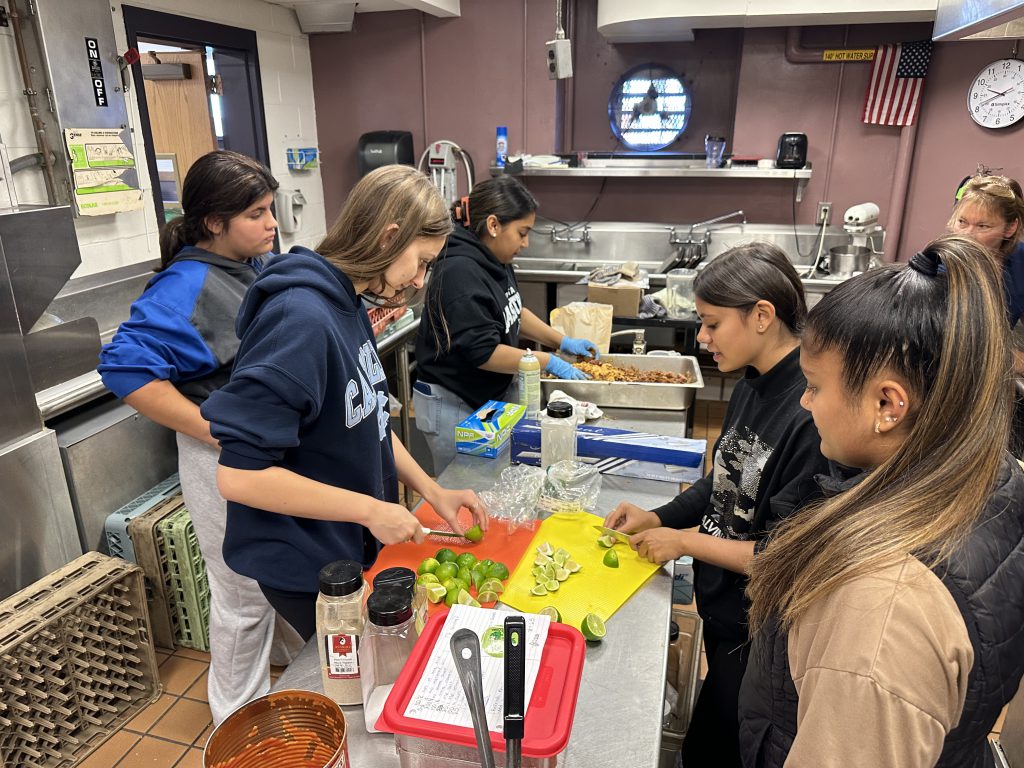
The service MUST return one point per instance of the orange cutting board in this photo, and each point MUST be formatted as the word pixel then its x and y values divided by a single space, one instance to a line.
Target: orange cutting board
pixel 500 543
pixel 596 588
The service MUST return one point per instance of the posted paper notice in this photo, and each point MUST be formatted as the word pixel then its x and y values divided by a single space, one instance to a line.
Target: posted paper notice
pixel 105 177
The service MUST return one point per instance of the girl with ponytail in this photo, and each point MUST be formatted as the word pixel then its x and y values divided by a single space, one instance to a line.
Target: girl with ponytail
pixel 888 618
pixel 177 348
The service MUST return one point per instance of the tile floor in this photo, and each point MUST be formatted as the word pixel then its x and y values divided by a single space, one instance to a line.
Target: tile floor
pixel 171 732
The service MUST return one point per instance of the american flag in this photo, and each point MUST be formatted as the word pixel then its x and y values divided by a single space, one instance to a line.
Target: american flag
pixel 897 76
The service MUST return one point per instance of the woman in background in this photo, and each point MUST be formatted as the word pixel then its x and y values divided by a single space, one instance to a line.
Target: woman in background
pixel 178 347
pixel 467 350
pixel 888 619
pixel 308 463
pixel 751 304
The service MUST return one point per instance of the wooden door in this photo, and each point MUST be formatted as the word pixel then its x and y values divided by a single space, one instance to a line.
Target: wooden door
pixel 179 110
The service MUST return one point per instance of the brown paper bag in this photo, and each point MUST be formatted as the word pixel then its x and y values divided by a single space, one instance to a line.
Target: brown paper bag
pixel 584 320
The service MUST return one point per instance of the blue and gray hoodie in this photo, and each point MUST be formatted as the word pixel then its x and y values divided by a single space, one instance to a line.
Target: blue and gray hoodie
pixel 308 394
pixel 182 328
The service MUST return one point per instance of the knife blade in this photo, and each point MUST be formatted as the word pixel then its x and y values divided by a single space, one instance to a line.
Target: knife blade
pixel 617 535
pixel 515 689
pixel 443 534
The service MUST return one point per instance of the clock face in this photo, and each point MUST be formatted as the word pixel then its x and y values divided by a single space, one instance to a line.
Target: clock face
pixel 996 97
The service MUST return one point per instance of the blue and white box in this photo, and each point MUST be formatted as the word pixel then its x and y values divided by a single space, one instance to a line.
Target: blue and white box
pixel 486 432
pixel 621 452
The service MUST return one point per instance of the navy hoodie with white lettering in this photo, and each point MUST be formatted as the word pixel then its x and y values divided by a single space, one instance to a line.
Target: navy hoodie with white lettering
pixel 307 394
pixel 472 306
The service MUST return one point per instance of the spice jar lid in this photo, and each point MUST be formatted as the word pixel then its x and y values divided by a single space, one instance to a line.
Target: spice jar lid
pixel 560 409
pixel 340 578
pixel 395 577
pixel 389 606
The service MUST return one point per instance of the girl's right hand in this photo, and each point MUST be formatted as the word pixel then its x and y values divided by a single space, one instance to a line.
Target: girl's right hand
pixel 393 524
pixel 629 518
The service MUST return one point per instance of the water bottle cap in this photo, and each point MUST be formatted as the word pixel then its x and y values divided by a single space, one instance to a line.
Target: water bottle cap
pixel 340 578
pixel 560 410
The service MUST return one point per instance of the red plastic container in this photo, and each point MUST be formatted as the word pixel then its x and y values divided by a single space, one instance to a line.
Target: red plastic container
pixel 548 717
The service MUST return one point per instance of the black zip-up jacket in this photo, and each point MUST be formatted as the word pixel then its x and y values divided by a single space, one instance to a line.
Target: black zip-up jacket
pixel 986 580
pixel 765 462
pixel 473 305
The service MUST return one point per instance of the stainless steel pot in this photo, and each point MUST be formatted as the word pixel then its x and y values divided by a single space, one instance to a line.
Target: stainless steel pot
pixel 847 260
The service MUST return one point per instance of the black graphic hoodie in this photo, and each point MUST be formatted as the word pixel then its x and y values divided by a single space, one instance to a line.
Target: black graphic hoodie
pixel 764 466
pixel 472 306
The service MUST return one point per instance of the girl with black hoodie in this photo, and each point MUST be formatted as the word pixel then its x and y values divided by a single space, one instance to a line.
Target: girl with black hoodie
pixel 467 350
pixel 308 463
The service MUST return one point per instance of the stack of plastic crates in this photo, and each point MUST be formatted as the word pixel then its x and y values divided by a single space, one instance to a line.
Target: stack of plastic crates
pixel 119 543
pixel 189 584
pixel 149 553
pixel 76 662
pixel 382 317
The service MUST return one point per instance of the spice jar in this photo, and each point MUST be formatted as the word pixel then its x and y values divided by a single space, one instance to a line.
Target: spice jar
pixel 339 625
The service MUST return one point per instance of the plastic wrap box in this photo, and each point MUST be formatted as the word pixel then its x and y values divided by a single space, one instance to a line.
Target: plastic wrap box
pixel 621 452
pixel 76 662
pixel 486 432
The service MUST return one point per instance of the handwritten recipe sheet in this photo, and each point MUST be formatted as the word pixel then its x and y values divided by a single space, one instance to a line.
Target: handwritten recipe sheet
pixel 439 696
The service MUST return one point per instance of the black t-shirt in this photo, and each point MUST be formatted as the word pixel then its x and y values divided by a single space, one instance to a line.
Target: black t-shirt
pixel 472 306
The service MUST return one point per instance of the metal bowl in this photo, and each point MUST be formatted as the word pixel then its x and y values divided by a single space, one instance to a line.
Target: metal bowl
pixel 847 260
pixel 284 729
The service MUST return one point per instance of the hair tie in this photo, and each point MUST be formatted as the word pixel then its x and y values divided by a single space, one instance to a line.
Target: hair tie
pixel 465 210
pixel 925 263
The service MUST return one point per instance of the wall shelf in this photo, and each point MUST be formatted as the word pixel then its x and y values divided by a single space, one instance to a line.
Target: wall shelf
pixel 800 175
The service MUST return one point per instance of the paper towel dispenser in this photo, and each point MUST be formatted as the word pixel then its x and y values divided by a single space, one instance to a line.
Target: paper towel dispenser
pixel 289 204
pixel 378 148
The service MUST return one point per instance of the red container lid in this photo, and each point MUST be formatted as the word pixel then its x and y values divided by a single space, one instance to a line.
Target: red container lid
pixel 548 717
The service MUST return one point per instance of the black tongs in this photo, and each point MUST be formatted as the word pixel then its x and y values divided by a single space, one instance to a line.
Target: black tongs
pixel 515 689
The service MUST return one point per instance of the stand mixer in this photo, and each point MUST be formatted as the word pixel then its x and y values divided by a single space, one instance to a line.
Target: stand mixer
pixel 860 222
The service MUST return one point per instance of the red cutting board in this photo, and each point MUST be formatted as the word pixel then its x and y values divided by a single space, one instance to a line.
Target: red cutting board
pixel 500 543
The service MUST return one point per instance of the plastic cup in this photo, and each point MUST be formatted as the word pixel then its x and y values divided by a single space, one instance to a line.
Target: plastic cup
pixel 714 150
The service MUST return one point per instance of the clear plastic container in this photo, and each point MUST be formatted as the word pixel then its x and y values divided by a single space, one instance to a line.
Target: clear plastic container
pixel 387 641
pixel 404 578
pixel 339 624
pixel 679 297
pixel 557 434
pixel 714 150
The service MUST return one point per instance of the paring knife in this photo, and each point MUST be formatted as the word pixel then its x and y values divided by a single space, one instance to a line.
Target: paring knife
pixel 443 534
pixel 617 535
pixel 515 689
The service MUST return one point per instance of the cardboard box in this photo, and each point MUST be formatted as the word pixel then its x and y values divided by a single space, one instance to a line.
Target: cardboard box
pixel 487 431
pixel 621 452
pixel 624 297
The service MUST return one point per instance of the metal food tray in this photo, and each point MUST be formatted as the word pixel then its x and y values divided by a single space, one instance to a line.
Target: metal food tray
pixel 627 394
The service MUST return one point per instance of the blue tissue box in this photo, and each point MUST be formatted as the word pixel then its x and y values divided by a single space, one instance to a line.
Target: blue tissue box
pixel 621 452
pixel 486 432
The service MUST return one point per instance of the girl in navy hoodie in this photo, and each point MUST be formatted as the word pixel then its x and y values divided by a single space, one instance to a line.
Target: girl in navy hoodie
pixel 165 360
pixel 308 462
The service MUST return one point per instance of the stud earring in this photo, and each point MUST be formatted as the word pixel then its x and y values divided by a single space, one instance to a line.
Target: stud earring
pixel 877 430
pixel 760 328
pixel 901 403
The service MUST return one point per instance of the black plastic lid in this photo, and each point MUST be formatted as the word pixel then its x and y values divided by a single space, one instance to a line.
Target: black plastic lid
pixel 389 606
pixel 560 410
pixel 397 577
pixel 340 578
pixel 712 137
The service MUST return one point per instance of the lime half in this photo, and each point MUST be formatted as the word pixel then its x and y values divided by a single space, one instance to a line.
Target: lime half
pixel 551 611
pixel 593 628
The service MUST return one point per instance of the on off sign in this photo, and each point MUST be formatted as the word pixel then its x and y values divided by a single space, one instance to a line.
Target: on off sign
pixel 99 87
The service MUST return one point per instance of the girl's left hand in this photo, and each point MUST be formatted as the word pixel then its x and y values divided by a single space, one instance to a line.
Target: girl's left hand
pixel 659 545
pixel 447 503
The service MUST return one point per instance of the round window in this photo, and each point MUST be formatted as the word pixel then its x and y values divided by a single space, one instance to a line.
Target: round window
pixel 649 107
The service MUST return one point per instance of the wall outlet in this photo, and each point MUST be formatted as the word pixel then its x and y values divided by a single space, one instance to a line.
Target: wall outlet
pixel 559 59
pixel 824 214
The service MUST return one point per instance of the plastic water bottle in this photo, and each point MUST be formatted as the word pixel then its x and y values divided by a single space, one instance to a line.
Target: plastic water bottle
pixel 501 146
pixel 529 384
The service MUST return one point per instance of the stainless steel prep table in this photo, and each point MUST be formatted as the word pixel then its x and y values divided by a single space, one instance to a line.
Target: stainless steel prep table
pixel 623 677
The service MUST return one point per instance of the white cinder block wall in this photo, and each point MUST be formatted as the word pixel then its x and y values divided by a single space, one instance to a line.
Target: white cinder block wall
pixel 116 240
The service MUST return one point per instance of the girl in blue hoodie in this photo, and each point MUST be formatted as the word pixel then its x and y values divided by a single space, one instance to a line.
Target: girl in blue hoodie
pixel 309 464
pixel 175 349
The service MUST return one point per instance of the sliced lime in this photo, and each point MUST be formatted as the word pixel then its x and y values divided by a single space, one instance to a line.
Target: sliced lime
pixel 561 574
pixel 572 566
pixel 542 560
pixel 611 559
pixel 465 598
pixel 550 610
pixel 606 541
pixel 428 565
pixel 498 571
pixel 593 628
pixel 552 586
pixel 427 578
pixel 436 593
pixel 545 549
pixel 487 597
pixel 492 585
pixel 539 590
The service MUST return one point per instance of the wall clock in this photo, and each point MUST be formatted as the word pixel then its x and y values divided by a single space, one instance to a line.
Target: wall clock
pixel 996 97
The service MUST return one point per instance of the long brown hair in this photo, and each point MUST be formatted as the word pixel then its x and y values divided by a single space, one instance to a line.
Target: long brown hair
pixel 938 323
pixel 392 194
pixel 999 195
pixel 219 185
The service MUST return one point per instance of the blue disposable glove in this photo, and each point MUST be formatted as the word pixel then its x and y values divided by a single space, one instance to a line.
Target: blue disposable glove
pixel 581 347
pixel 560 369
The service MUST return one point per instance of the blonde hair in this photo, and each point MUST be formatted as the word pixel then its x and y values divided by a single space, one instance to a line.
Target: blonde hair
pixel 999 195
pixel 390 195
pixel 939 323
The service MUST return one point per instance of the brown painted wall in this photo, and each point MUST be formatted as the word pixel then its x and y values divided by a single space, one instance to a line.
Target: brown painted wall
pixel 475 79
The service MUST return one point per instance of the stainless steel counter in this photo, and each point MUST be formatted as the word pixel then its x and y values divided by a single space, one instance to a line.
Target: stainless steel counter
pixel 623 677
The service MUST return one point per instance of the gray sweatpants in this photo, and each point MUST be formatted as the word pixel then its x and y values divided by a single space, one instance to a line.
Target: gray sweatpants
pixel 242 623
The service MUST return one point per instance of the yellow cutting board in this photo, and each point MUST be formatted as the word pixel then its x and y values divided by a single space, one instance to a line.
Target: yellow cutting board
pixel 596 588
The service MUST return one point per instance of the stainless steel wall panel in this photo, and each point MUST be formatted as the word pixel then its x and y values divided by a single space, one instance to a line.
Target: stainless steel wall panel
pixel 19 415
pixel 36 517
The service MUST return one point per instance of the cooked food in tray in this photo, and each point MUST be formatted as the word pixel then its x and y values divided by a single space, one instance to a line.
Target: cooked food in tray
pixel 602 371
